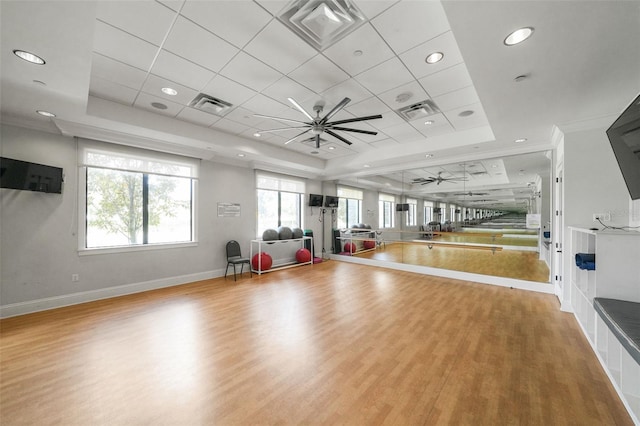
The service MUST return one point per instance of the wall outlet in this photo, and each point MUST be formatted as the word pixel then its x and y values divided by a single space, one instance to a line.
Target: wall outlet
pixel 603 217
pixel 75 278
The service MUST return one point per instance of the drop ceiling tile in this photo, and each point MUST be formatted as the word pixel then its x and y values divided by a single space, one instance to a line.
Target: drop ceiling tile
pixel 197 117
pixel 385 76
pixel 384 143
pixel 251 72
pixel 245 117
pixel 192 42
pixel 413 90
pixel 235 21
pixel 368 42
pixel 403 133
pixel 288 88
pixel 439 127
pixel 111 91
pixel 369 106
pixel 273 6
pixel 173 4
pixel 477 119
pixel 319 74
pixel 409 23
pixel 154 85
pixel 230 126
pixel 267 46
pixel 457 98
pixel 145 101
pixel 175 68
pixel 117 72
pixel 109 41
pixel 261 104
pixel 372 8
pixel 414 58
pixel 350 89
pixel 445 81
pixel 389 119
pixel 229 91
pixel 147 20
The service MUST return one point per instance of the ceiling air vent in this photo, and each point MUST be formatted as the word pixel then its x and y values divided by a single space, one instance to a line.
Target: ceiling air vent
pixel 208 103
pixel 419 110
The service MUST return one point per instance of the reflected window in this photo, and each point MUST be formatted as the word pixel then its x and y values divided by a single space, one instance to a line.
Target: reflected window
pixel 386 204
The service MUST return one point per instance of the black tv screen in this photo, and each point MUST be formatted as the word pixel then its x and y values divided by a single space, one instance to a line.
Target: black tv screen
pixel 17 174
pixel 330 201
pixel 402 207
pixel 315 200
pixel 624 137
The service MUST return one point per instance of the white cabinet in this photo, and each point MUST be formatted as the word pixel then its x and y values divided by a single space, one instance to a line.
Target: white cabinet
pixel 282 252
pixel 616 276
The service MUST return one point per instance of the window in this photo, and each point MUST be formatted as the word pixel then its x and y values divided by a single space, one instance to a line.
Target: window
pixel 428 212
pixel 349 207
pixel 412 219
pixel 279 201
pixel 386 206
pixel 132 197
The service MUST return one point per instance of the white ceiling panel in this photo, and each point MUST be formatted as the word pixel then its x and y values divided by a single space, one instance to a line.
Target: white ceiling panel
pixel 109 90
pixel 389 119
pixel 145 101
pixel 409 23
pixel 457 98
pixel 273 6
pixel 385 76
pixel 347 89
pixel 370 106
pixel 251 72
pixel 228 90
pixel 288 88
pixel 230 126
pixel 372 8
pixel 245 117
pixel 477 119
pixel 403 133
pixel 235 21
pixel 147 20
pixel 365 40
pixel 445 81
pixel 111 42
pixel 412 90
pixel 261 104
pixel 191 42
pixel 384 143
pixel 197 117
pixel 109 69
pixel 175 68
pixel 319 74
pixel 155 84
pixel 415 59
pixel 266 46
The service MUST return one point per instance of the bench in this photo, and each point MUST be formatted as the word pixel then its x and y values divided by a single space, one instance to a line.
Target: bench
pixel 623 319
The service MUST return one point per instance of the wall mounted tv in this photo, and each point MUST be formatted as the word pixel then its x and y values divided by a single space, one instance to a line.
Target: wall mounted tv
pixel 437 210
pixel 17 174
pixel 315 200
pixel 624 136
pixel 402 207
pixel 331 201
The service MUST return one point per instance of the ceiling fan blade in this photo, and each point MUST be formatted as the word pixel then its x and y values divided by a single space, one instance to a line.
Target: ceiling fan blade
pixel 295 104
pixel 337 136
pixel 317 141
pixel 282 129
pixel 296 137
pixel 280 119
pixel 335 110
pixel 346 129
pixel 353 120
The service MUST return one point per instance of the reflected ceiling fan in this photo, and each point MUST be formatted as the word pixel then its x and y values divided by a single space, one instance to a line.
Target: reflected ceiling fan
pixel 438 179
pixel 471 194
pixel 318 125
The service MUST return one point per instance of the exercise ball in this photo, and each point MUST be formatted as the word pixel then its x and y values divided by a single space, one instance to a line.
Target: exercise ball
pixel 361 226
pixel 261 261
pixel 284 233
pixel 350 247
pixel 303 255
pixel 297 233
pixel 270 235
pixel 369 244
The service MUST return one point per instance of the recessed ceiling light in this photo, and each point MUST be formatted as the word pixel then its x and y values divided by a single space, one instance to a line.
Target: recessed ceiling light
pixel 429 122
pixel 518 36
pixel 240 155
pixel 494 166
pixel 366 166
pixel 45 113
pixel 169 91
pixel 357 53
pixel 29 57
pixel 257 134
pixel 520 140
pixel 332 148
pixel 465 113
pixel 403 97
pixel 434 57
pixel 428 155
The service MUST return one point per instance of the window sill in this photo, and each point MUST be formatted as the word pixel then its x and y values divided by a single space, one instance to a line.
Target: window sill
pixel 130 249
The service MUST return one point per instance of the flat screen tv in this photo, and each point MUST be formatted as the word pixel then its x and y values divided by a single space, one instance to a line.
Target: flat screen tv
pixel 331 201
pixel 437 209
pixel 624 136
pixel 17 174
pixel 315 200
pixel 402 207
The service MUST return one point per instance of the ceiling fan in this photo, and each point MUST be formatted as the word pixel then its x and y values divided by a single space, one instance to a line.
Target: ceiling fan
pixel 438 179
pixel 471 194
pixel 318 125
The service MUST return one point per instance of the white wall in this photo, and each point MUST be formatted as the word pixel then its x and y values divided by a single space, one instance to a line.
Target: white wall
pixel 39 243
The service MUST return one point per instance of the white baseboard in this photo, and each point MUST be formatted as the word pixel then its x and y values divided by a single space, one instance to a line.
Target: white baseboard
pixel 38 305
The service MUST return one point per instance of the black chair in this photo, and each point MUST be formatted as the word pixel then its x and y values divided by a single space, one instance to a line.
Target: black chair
pixel 234 257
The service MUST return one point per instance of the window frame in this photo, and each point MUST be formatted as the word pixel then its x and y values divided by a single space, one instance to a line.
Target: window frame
pixel 386 203
pixel 412 217
pixel 343 193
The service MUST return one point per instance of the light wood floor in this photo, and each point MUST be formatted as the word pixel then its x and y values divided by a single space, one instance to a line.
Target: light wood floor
pixel 332 343
pixel 522 265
